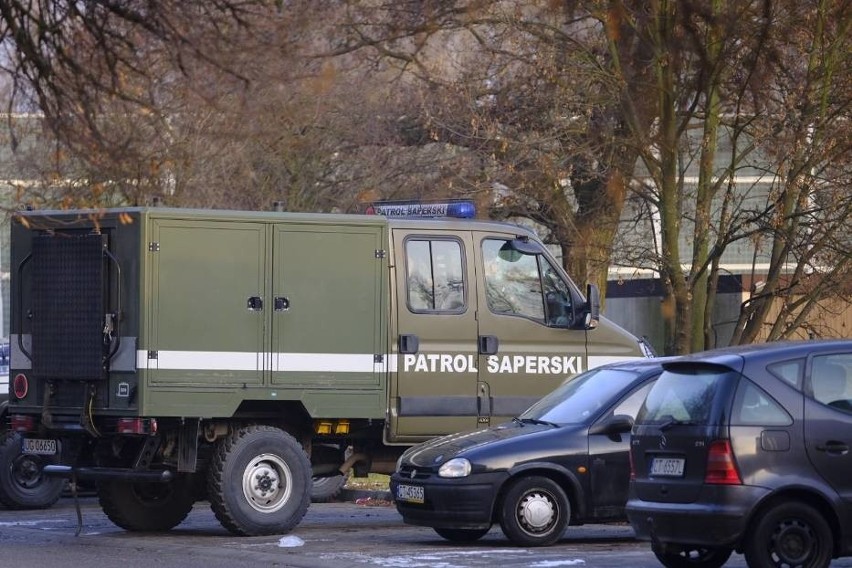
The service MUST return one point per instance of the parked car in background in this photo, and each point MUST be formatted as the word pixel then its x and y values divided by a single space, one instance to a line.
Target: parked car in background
pixel 747 449
pixel 563 461
pixel 22 483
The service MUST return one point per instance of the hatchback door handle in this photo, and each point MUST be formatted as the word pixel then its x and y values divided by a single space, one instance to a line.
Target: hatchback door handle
pixel 833 447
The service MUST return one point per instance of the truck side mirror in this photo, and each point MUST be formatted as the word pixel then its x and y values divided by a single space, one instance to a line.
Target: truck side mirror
pixel 592 308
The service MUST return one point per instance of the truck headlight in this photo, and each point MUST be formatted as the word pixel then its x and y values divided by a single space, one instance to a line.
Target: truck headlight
pixel 456 467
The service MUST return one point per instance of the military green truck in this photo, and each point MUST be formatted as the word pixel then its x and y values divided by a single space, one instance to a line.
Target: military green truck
pixel 175 355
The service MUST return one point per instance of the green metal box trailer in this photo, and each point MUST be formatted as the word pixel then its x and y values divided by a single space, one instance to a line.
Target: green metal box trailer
pixel 250 358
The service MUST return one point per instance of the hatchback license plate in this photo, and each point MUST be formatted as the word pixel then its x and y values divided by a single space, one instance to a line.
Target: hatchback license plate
pixel 668 467
pixel 410 494
pixel 39 446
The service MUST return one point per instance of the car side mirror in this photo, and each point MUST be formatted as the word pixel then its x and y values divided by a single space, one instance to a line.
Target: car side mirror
pixel 617 424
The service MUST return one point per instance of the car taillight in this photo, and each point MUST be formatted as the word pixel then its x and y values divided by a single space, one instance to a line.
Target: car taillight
pixel 21 423
pixel 721 468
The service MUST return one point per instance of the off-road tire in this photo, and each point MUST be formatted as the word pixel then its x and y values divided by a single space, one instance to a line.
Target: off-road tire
pixel 259 481
pixel 326 489
pixel 147 507
pixel 22 484
pixel 462 535
pixel 534 511
pixel 790 534
pixel 692 556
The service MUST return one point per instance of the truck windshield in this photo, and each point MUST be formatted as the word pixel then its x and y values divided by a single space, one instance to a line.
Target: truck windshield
pixel 581 398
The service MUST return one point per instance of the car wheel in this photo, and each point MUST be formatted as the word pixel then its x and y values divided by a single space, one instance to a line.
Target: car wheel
pixel 22 483
pixel 462 535
pixel 692 556
pixel 790 534
pixel 534 511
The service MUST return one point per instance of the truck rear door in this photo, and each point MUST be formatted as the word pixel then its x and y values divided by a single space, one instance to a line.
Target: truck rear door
pixel 328 316
pixel 202 330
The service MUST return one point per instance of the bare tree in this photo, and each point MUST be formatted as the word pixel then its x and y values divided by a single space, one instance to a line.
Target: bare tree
pixel 104 76
pixel 769 79
pixel 560 100
pixel 526 87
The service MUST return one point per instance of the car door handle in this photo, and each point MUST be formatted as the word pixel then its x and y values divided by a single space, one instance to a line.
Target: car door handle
pixel 833 447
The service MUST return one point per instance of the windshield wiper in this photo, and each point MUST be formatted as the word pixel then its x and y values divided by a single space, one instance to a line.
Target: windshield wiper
pixel 675 422
pixel 537 421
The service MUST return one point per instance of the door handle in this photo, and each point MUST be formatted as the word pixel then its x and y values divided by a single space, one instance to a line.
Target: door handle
pixel 281 304
pixel 255 304
pixel 488 344
pixel 409 343
pixel 834 447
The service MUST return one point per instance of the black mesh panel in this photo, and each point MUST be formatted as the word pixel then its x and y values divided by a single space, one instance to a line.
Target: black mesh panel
pixel 68 310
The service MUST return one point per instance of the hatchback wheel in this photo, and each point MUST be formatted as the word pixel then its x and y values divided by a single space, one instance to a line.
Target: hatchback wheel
pixel 462 535
pixel 692 556
pixel 534 512
pixel 790 535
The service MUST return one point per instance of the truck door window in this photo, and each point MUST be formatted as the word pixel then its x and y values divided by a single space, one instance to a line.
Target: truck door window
pixel 434 276
pixel 557 296
pixel 525 285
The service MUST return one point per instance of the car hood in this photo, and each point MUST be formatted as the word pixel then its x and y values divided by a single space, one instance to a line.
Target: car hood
pixel 496 438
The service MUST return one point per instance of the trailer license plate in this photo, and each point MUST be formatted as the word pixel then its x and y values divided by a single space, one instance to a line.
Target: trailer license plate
pixel 668 467
pixel 39 447
pixel 410 494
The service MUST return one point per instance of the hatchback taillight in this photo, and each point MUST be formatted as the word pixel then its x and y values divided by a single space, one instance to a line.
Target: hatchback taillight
pixel 721 467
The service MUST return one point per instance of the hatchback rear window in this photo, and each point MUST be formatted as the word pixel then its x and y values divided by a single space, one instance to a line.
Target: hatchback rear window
pixel 682 396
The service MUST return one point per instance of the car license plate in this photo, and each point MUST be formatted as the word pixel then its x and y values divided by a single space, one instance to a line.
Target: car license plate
pixel 668 467
pixel 39 446
pixel 410 494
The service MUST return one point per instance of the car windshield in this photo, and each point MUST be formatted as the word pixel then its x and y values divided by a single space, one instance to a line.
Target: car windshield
pixel 580 398
pixel 682 396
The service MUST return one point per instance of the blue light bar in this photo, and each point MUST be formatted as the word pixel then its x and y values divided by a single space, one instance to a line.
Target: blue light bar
pixel 456 208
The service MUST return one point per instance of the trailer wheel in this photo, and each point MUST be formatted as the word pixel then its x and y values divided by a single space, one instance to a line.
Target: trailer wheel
pixel 22 484
pixel 259 481
pixel 147 507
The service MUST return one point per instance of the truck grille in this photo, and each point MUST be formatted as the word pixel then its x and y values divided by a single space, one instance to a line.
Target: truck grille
pixel 68 306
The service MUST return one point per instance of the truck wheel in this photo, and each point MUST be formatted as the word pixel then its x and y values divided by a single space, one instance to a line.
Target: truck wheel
pixel 259 481
pixel 22 484
pixel 325 489
pixel 147 507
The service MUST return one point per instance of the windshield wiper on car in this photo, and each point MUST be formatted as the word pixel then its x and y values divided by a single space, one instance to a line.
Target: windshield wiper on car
pixel 536 421
pixel 675 422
